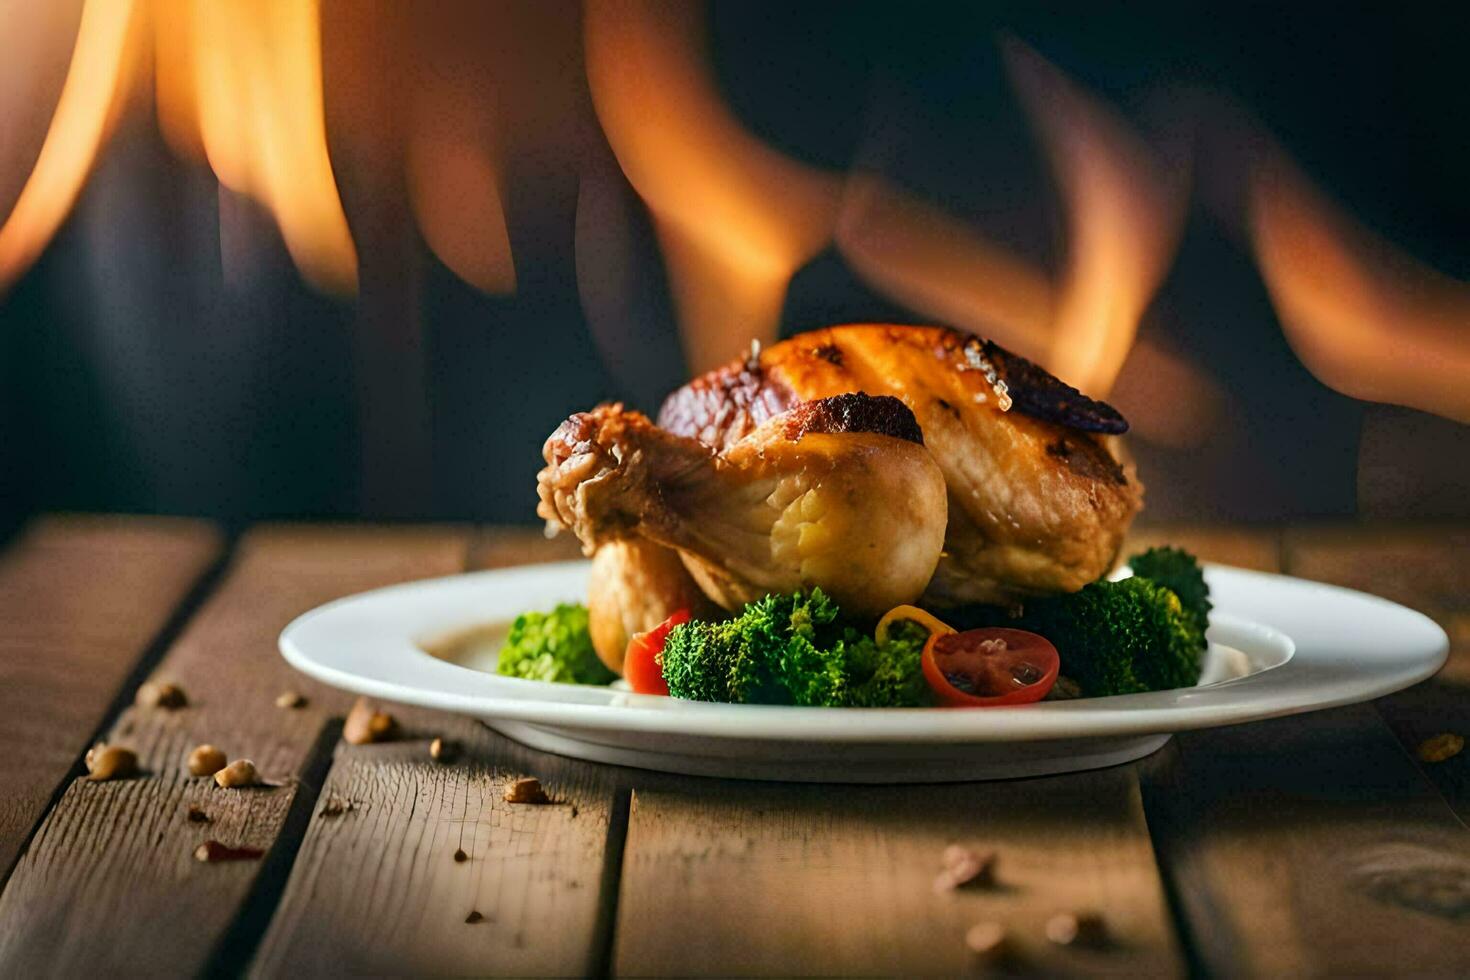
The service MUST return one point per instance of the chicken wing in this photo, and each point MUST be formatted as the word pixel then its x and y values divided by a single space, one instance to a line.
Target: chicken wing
pixel 838 492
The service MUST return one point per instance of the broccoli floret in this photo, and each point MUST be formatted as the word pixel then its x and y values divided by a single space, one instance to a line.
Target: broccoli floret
pixel 1120 637
pixel 1178 571
pixel 889 675
pixel 553 646
pixel 1113 636
pixel 791 649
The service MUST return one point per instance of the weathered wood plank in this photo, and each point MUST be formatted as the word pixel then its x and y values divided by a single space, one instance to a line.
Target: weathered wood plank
pixel 1426 568
pixel 1308 845
pixel 81 600
pixel 753 879
pixel 109 883
pixel 377 890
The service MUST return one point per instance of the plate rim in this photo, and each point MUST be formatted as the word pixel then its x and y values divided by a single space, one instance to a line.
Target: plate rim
pixel 1305 682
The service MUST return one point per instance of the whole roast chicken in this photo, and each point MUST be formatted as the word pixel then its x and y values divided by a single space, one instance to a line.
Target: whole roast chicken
pixel 884 463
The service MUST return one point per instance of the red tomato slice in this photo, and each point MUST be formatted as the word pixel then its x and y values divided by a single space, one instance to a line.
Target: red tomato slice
pixel 643 667
pixel 987 667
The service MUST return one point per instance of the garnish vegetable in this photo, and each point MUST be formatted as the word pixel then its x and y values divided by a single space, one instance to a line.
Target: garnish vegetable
pixel 643 663
pixel 791 649
pixel 986 668
pixel 1115 637
pixel 1178 571
pixel 553 646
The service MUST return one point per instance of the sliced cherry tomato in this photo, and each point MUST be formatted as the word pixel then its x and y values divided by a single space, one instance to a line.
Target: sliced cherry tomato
pixel 987 667
pixel 643 667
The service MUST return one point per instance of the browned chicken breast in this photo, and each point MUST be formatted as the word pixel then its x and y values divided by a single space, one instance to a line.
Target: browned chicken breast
pixel 838 492
pixel 1038 503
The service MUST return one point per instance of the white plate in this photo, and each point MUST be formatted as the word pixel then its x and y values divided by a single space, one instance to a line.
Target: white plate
pixel 1278 646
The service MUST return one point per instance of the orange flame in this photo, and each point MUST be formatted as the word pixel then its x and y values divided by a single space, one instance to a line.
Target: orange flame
pixel 93 87
pixel 242 80
pixel 1123 221
pixel 735 218
pixel 931 262
pixel 455 191
pixel 1365 318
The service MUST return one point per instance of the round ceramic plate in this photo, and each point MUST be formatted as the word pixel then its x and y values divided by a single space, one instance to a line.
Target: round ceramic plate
pixel 1278 646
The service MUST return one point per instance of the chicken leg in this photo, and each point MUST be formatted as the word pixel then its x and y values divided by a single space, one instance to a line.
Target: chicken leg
pixel 838 493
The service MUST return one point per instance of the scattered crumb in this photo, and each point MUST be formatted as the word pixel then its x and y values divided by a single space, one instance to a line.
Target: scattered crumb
pixel 526 790
pixel 106 762
pixel 197 815
pixel 161 694
pixel 441 750
pixel 212 850
pixel 473 917
pixel 1440 747
pixel 965 866
pixel 205 760
pixel 239 773
pixel 365 723
pixel 1077 929
pixel 988 941
pixel 460 857
pixel 290 699
pixel 332 808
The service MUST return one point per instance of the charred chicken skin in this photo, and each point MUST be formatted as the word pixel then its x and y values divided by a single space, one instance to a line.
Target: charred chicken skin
pixel 835 492
pixel 1038 502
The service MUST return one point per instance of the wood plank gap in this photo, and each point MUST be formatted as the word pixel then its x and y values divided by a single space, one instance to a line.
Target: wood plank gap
pixel 111 876
pixel 145 665
pixel 237 947
pixel 153 651
pixel 610 886
pixel 379 888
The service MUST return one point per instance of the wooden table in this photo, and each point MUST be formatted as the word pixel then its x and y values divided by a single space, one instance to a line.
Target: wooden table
pixel 1316 844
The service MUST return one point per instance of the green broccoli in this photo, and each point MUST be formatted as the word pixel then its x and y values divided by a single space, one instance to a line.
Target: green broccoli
pixel 553 646
pixel 792 649
pixel 1120 637
pixel 1178 571
pixel 888 675
pixel 1113 637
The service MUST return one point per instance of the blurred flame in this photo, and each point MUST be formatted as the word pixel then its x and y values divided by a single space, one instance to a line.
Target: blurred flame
pixel 454 190
pixel 735 218
pixel 937 264
pixel 241 80
pixel 92 88
pixel 1123 221
pixel 1365 318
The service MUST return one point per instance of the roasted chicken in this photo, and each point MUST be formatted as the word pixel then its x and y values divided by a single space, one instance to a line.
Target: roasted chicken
pixel 835 492
pixel 635 585
pixel 1038 500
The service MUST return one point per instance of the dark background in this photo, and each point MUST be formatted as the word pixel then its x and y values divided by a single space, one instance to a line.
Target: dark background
pixel 137 378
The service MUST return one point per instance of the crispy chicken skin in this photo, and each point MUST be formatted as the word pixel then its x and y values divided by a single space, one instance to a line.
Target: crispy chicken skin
pixel 635 585
pixel 838 492
pixel 1038 503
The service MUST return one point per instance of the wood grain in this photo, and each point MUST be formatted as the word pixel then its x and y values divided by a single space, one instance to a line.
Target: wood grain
pixel 1307 845
pixel 1310 846
pixel 109 883
pixel 81 600
pixel 377 889
pixel 758 879
pixel 1425 568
